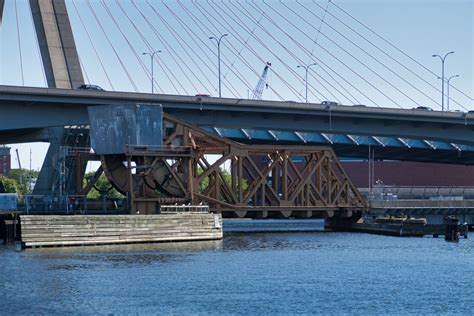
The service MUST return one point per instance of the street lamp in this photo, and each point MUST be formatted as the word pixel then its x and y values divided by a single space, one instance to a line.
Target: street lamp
pixel 152 55
pixel 442 77
pixel 447 81
pixel 219 58
pixel 306 68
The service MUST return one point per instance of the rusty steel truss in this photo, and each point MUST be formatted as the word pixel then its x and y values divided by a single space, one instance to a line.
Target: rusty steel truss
pixel 197 167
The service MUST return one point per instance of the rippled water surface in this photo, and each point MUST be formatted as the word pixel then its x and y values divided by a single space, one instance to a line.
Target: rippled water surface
pixel 255 272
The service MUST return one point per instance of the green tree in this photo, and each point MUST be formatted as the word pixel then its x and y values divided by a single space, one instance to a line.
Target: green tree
pixel 23 177
pixel 103 187
pixel 227 177
pixel 8 185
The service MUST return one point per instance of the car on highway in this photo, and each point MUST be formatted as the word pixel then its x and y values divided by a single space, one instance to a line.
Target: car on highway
pixel 423 108
pixel 90 87
pixel 329 103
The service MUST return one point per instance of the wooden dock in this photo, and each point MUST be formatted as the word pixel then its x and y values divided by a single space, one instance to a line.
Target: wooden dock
pixel 77 230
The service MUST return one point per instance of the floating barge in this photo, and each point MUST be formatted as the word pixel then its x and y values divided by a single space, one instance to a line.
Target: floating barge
pixel 407 228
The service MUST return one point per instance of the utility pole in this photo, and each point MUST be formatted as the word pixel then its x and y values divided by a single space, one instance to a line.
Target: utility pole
pixel 219 58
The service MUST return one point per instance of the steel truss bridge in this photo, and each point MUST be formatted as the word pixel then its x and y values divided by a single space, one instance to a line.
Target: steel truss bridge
pixel 283 132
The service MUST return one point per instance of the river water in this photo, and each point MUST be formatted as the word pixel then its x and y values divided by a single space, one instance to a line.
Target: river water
pixel 298 270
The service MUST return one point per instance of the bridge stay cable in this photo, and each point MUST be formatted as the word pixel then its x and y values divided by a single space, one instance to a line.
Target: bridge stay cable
pixel 319 60
pixel 205 35
pixel 348 67
pixel 93 45
pixel 284 81
pixel 371 56
pixel 299 60
pixel 194 37
pixel 400 51
pixel 374 45
pixel 335 57
pixel 243 25
pixel 134 86
pixel 245 62
pixel 180 41
pixel 164 66
pixel 19 43
pixel 230 44
pixel 137 56
pixel 174 55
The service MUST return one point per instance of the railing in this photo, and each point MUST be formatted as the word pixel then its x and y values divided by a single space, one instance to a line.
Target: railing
pixel 158 150
pixel 422 204
pixel 385 192
pixel 173 209
pixel 72 204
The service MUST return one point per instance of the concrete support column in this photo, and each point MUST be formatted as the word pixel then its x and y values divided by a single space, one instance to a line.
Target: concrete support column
pixel 2 2
pixel 56 42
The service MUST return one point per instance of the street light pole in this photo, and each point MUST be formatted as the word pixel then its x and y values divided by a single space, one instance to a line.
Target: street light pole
pixel 219 58
pixel 152 55
pixel 447 92
pixel 306 68
pixel 442 76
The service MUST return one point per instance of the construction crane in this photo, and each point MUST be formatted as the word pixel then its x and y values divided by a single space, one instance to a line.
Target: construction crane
pixel 257 93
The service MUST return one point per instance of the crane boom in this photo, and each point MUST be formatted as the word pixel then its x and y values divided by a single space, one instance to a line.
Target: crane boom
pixel 18 157
pixel 257 93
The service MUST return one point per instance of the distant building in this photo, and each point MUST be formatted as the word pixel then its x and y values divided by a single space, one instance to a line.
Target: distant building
pixel 407 173
pixel 5 161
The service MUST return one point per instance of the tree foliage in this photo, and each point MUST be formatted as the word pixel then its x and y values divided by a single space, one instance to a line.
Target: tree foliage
pixel 227 177
pixel 8 185
pixel 23 177
pixel 102 187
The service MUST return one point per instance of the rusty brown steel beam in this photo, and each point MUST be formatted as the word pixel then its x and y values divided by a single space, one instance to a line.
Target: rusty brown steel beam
pixel 264 180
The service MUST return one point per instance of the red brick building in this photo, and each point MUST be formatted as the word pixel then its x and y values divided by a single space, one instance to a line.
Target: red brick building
pixel 406 173
pixel 5 161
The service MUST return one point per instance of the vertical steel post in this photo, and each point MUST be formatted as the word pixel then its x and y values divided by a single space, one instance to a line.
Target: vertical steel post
pixel 219 59
pixel 442 76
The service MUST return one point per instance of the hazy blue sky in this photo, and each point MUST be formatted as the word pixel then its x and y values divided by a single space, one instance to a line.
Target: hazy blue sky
pixel 287 30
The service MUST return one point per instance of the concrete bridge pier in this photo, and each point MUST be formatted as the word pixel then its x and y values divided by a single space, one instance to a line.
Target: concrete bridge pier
pixel 63 70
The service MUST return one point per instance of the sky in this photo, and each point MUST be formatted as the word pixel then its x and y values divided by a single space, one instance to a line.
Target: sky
pixel 287 34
